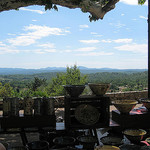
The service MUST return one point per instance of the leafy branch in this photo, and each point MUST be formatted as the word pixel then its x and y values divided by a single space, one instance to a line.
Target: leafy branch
pixel 141 2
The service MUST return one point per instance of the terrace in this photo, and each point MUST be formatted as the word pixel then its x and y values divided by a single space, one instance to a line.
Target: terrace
pixel 13 135
pixel 14 139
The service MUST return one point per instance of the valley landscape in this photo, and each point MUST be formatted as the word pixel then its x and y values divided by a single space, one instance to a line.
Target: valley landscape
pixel 120 79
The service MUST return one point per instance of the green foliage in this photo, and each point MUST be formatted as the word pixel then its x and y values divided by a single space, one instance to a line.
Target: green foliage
pixel 55 88
pixel 71 77
pixel 22 81
pixel 104 2
pixel 141 2
pixel 55 7
pixel 6 90
pixel 49 5
pixel 40 93
pixel 74 77
pixel 127 81
pixel 120 81
pixel 34 85
pixel 26 93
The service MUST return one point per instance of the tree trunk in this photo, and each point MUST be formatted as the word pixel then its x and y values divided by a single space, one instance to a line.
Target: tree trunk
pixel 94 8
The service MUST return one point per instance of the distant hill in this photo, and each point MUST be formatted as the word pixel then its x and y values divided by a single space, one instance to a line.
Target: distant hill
pixel 12 71
pixel 95 70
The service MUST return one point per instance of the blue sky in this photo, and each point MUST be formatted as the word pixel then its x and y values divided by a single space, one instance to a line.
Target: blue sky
pixel 35 38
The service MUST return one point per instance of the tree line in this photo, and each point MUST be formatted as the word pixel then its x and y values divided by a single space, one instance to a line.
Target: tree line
pixel 50 84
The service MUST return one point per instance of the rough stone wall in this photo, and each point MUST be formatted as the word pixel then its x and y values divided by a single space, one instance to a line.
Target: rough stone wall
pixel 131 95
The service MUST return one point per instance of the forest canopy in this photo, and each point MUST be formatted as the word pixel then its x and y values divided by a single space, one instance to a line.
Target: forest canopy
pixel 50 84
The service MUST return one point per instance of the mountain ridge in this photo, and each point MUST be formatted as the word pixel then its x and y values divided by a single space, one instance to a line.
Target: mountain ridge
pixel 12 71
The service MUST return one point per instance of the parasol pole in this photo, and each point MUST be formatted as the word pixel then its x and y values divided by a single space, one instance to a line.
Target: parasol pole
pixel 148 48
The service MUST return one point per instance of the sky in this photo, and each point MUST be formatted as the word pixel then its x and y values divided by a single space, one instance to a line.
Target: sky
pixel 33 38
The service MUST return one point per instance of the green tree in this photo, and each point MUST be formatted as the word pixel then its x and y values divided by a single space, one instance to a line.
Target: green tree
pixel 71 77
pixel 55 87
pixel 34 85
pixel 141 2
pixel 26 93
pixel 74 77
pixel 6 90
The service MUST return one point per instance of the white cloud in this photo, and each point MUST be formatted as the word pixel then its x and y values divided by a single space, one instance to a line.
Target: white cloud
pixel 142 17
pixel 35 32
pixel 123 40
pixel 131 2
pixel 47 45
pixel 95 54
pixel 94 33
pixel 21 41
pixel 106 41
pixel 117 25
pixel 126 40
pixel 98 35
pixel 2 44
pixel 134 19
pixel 50 50
pixel 4 49
pixel 44 30
pixel 32 10
pixel 89 41
pixel 86 49
pixel 38 51
pixel 84 26
pixel 135 48
pixel 67 51
pixel 26 51
pixel 43 51
pixel 146 3
pixel 11 34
